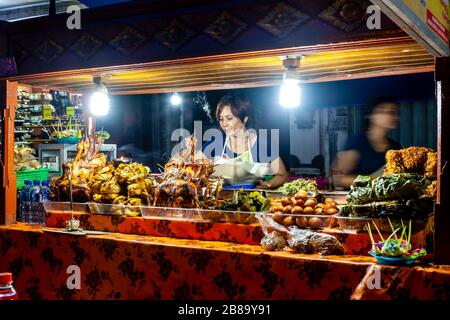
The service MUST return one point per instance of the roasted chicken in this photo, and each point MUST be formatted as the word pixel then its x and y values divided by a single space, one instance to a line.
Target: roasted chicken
pixel 185 183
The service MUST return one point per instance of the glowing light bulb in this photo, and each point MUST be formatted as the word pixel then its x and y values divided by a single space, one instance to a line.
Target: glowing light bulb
pixel 175 99
pixel 290 93
pixel 99 103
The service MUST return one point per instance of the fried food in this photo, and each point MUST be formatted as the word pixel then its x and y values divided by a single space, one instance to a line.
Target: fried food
pixel 120 200
pixel 137 189
pixel 431 166
pixel 183 184
pixel 418 160
pixel 187 184
pixel 88 161
pixel 131 173
pixel 24 158
pixel 110 186
pixel 135 201
pixel 431 190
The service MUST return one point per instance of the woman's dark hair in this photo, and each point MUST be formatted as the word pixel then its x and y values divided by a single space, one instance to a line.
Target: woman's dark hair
pixel 374 105
pixel 238 103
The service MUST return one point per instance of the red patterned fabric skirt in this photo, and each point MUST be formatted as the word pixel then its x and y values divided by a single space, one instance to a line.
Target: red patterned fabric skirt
pixel 123 266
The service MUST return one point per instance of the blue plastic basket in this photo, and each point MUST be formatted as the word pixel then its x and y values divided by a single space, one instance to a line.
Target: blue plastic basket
pixel 69 140
pixel 240 186
pixel 393 261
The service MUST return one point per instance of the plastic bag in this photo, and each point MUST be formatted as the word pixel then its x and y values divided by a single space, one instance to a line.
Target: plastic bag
pixel 299 240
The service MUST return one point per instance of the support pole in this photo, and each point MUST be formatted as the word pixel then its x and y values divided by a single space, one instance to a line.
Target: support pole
pixel 442 212
pixel 8 198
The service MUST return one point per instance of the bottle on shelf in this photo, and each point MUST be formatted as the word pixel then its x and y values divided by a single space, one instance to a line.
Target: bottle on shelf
pixel 35 202
pixel 25 202
pixel 45 196
pixel 7 291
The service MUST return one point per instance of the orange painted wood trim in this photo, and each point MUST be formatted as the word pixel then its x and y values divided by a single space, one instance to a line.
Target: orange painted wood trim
pixel 8 198
pixel 442 219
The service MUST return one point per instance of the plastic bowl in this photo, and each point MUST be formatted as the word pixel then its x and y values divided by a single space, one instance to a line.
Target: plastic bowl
pixel 240 186
pixel 68 140
pixel 393 261
pixel 304 221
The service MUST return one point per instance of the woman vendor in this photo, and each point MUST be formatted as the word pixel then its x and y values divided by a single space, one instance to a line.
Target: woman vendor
pixel 365 153
pixel 241 145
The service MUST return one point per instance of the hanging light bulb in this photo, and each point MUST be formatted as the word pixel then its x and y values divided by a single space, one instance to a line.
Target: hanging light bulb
pixel 175 99
pixel 99 101
pixel 290 93
pixel 290 90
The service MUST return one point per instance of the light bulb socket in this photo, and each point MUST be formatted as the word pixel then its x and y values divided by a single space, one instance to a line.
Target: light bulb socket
pixel 292 66
pixel 291 74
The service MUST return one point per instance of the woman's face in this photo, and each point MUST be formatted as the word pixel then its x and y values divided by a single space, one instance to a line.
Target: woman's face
pixel 385 116
pixel 230 123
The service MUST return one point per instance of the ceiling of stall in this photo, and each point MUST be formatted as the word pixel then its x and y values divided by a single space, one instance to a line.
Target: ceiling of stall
pixel 365 59
pixel 14 10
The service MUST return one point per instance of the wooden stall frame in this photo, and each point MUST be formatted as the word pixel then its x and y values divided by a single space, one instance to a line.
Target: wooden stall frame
pixel 8 101
pixel 442 210
pixel 8 104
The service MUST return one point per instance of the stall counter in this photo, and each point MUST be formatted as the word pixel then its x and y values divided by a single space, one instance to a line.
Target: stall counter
pixel 122 266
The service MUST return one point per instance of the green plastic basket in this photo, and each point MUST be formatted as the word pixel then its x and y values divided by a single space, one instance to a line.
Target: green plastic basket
pixel 33 174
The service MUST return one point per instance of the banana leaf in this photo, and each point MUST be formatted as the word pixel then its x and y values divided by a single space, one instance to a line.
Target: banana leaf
pixel 362 181
pixel 399 186
pixel 360 195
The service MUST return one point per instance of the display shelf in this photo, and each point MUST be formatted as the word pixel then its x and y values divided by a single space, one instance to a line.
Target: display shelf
pixel 39 140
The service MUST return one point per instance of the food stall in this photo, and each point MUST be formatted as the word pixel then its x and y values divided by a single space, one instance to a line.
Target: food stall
pixel 140 240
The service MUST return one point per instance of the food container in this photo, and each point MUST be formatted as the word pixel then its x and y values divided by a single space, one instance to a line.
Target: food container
pixel 209 215
pixel 113 209
pixel 353 224
pixel 338 196
pixel 304 221
pixel 240 217
pixel 359 224
pixel 64 207
pixel 169 213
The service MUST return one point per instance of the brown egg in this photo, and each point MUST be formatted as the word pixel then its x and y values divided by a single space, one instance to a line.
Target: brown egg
pixel 332 211
pixel 328 200
pixel 278 217
pixel 286 201
pixel 301 195
pixel 276 207
pixel 311 203
pixel 315 223
pixel 299 203
pixel 297 210
pixel 287 209
pixel 308 210
pixel 318 210
pixel 301 222
pixel 332 204
pixel 288 221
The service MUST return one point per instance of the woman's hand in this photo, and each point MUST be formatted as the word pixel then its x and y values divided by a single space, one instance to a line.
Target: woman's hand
pixel 342 167
pixel 280 175
pixel 264 185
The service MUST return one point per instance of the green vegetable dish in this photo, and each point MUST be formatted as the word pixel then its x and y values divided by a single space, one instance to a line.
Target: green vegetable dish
pixel 249 202
pixel 291 188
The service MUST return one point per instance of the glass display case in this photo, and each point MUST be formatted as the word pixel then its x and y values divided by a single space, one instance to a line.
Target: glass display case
pixel 54 155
